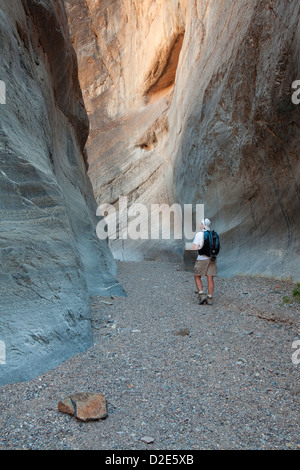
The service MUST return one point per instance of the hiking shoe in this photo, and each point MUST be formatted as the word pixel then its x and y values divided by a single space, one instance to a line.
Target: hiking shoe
pixel 202 298
pixel 209 300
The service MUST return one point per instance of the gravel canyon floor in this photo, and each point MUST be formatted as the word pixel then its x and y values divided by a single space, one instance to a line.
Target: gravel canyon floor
pixel 188 376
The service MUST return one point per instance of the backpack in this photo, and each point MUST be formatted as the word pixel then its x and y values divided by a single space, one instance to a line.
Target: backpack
pixel 211 245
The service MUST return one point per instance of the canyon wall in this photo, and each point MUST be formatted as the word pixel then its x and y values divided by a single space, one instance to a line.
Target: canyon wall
pixel 190 102
pixel 51 260
pixel 241 133
pixel 128 54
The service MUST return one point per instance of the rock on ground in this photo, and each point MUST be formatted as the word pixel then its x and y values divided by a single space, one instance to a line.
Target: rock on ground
pixel 84 406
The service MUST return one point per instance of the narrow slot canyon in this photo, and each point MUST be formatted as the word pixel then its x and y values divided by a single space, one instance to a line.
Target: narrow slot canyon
pixel 112 112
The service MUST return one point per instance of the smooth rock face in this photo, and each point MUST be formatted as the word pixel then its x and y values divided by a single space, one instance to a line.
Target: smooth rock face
pixel 50 258
pixel 128 55
pixel 84 406
pixel 190 102
pixel 238 150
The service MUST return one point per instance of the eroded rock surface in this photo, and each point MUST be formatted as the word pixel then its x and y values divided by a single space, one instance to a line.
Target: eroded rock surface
pixel 128 55
pixel 240 133
pixel 50 258
pixel 190 102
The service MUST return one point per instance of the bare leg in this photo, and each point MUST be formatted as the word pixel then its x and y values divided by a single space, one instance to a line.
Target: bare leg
pixel 210 285
pixel 198 282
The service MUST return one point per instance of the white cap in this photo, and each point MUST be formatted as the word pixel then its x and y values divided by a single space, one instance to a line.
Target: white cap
pixel 206 223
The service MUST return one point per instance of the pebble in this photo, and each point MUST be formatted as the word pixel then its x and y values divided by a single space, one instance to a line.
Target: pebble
pixel 147 439
pixel 183 332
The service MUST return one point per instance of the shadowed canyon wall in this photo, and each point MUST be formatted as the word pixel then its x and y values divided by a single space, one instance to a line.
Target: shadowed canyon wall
pixel 190 102
pixel 50 258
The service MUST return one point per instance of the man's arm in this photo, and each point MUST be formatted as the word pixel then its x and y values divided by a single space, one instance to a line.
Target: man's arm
pixel 198 241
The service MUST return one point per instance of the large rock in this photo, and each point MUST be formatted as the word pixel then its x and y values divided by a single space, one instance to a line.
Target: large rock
pixel 84 406
pixel 50 258
pixel 190 102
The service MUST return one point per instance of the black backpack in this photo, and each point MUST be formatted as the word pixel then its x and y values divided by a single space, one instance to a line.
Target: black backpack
pixel 211 245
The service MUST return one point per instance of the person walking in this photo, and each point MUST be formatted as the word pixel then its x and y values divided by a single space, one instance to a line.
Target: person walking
pixel 204 265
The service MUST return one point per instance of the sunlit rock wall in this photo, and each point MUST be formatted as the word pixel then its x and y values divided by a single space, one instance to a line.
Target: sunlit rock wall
pixel 190 102
pixel 128 54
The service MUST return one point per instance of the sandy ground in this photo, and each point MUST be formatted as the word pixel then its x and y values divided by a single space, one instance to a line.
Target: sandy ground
pixel 189 376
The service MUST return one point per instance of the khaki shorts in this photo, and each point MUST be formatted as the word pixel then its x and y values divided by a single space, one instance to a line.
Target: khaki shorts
pixel 205 267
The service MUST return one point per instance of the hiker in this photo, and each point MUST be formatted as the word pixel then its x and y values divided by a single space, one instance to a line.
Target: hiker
pixel 204 266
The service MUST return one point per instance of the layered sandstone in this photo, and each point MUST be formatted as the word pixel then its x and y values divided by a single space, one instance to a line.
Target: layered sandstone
pixel 50 258
pixel 190 102
pixel 128 55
